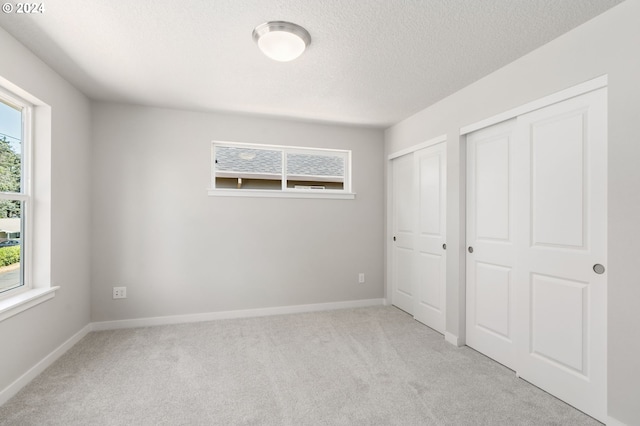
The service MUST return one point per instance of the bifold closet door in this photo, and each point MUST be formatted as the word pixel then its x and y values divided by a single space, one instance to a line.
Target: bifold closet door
pixel 490 237
pixel 419 226
pixel 562 285
pixel 537 248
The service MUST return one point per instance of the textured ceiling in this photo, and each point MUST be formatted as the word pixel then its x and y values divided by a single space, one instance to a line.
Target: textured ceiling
pixel 372 62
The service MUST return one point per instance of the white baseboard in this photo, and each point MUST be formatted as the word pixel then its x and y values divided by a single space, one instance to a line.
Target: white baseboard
pixel 614 422
pixel 245 313
pixel 453 339
pixel 34 371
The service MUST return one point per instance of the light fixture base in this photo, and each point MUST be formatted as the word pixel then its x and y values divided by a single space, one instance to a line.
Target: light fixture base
pixel 280 40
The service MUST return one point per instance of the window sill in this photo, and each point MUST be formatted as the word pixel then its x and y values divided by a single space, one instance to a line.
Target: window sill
pixel 23 301
pixel 267 193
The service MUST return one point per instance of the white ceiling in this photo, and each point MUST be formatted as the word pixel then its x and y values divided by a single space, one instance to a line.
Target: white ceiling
pixel 371 62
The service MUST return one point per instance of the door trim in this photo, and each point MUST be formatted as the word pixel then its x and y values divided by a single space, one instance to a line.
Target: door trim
pixel 388 286
pixel 563 95
pixel 414 148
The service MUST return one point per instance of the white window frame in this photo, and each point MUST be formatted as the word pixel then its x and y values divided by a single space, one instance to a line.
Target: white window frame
pixel 27 295
pixel 284 192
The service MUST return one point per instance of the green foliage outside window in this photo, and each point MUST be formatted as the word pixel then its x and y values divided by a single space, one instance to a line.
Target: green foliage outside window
pixel 9 255
pixel 10 171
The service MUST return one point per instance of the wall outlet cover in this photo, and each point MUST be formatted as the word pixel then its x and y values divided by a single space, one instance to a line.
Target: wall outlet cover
pixel 119 292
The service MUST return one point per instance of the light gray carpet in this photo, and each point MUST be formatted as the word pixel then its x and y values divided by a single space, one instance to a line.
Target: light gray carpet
pixel 370 366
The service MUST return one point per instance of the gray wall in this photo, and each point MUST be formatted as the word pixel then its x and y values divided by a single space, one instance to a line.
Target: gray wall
pixel 64 238
pixel 180 251
pixel 609 44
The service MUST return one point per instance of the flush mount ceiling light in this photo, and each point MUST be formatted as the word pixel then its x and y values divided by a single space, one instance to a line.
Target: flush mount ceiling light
pixel 281 41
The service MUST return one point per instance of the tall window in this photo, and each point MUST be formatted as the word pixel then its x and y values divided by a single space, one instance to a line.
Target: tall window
pixel 276 170
pixel 14 191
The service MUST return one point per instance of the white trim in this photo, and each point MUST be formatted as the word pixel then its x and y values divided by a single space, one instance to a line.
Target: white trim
pixel 414 148
pixel 13 301
pixel 300 149
pixel 13 100
pixel 26 227
pixel 580 89
pixel 245 313
pixel 22 301
pixel 453 339
pixel 613 422
pixel 34 371
pixel 277 193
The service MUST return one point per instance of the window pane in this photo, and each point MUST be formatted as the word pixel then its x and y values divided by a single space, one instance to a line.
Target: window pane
pixel 248 168
pixel 315 171
pixel 10 244
pixel 10 148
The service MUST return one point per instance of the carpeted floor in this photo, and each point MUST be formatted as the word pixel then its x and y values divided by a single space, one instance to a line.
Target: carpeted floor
pixel 369 366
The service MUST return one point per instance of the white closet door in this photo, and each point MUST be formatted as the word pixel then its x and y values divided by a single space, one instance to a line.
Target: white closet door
pixel 430 167
pixel 561 176
pixel 490 242
pixel 402 256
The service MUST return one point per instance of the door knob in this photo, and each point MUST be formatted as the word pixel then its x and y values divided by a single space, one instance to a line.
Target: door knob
pixel 394 238
pixel 444 246
pixel 598 269
pixel 470 249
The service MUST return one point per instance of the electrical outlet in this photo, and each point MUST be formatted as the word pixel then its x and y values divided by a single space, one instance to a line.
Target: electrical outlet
pixel 119 292
pixel 361 277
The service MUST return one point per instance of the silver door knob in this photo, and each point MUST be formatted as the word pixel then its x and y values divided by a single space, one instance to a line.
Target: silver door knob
pixel 444 246
pixel 470 249
pixel 598 269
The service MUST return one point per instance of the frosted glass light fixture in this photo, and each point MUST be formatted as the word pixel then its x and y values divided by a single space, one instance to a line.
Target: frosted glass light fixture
pixel 281 41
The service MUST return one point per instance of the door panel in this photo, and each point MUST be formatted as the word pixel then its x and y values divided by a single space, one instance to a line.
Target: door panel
pixel 561 300
pixel 403 200
pixel 430 166
pixel 430 196
pixel 492 302
pixel 490 222
pixel 404 262
pixel 491 186
pixel 562 344
pixel 557 179
pixel 430 273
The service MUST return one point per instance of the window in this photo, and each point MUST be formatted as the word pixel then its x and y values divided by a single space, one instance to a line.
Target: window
pixel 14 192
pixel 25 128
pixel 280 171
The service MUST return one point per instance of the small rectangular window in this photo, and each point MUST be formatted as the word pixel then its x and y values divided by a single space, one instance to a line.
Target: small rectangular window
pixel 271 170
